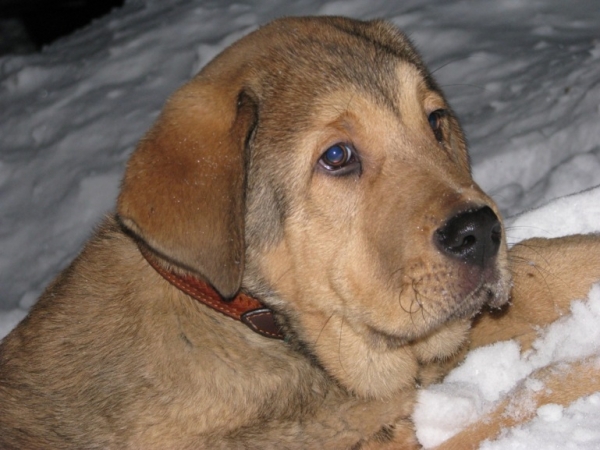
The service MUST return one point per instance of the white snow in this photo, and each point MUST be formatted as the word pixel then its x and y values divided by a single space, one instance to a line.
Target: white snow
pixel 523 75
pixel 556 428
pixel 572 214
pixel 488 373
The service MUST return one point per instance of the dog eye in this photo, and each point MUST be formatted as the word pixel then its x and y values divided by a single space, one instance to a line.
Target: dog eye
pixel 435 122
pixel 339 159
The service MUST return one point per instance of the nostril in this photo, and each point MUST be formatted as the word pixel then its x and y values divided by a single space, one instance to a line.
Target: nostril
pixel 472 236
pixel 497 233
pixel 466 243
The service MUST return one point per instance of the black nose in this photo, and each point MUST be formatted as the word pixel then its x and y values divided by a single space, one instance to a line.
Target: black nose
pixel 471 236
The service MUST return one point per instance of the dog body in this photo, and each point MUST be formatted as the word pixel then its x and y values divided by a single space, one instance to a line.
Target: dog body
pixel 143 367
pixel 316 166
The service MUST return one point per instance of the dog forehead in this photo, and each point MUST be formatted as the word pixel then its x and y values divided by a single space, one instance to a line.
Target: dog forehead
pixel 317 55
pixel 308 56
pixel 339 34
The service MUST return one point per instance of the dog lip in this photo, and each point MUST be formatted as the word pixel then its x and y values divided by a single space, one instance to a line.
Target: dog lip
pixel 483 285
pixel 490 293
pixel 473 303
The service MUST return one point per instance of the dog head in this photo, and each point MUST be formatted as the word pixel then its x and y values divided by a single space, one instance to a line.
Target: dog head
pixel 316 164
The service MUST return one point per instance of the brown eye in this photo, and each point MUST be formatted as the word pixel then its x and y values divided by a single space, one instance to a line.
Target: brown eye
pixel 435 122
pixel 339 159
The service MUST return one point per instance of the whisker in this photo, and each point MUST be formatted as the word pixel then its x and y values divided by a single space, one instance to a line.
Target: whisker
pixel 482 88
pixel 540 269
pixel 340 347
pixel 452 61
pixel 323 329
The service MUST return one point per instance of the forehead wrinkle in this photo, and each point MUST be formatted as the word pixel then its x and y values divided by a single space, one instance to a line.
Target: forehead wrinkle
pixel 341 109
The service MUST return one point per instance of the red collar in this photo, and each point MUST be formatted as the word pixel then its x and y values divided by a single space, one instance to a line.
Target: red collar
pixel 244 308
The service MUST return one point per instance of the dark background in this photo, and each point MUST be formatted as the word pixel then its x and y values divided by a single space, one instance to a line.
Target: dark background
pixel 27 25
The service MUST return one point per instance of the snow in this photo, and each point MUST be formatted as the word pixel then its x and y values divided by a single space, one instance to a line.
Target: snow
pixel 556 428
pixel 571 214
pixel 523 75
pixel 489 373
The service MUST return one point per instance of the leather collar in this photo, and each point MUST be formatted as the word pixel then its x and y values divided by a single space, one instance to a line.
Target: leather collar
pixel 242 307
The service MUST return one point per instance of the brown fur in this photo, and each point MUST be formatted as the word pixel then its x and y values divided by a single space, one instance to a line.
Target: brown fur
pixel 227 186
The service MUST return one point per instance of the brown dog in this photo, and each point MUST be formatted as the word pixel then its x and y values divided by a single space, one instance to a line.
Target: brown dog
pixel 316 166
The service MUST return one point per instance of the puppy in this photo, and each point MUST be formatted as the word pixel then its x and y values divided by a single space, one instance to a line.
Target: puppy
pixel 298 243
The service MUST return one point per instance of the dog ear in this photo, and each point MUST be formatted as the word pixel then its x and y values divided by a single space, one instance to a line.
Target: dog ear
pixel 183 190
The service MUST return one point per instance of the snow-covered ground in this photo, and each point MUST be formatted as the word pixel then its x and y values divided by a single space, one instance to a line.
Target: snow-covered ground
pixel 523 75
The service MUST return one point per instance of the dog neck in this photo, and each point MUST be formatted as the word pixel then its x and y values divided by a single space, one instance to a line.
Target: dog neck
pixel 242 307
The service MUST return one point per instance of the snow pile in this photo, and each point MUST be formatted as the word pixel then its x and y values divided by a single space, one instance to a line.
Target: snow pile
pixel 572 214
pixel 489 373
pixel 521 75
pixel 556 428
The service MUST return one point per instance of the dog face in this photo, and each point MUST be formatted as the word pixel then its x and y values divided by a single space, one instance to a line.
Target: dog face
pixel 316 164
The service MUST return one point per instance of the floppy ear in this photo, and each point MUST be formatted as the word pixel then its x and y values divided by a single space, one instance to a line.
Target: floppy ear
pixel 183 191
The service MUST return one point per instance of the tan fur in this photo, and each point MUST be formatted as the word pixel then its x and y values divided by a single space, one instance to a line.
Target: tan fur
pixel 547 275
pixel 227 187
